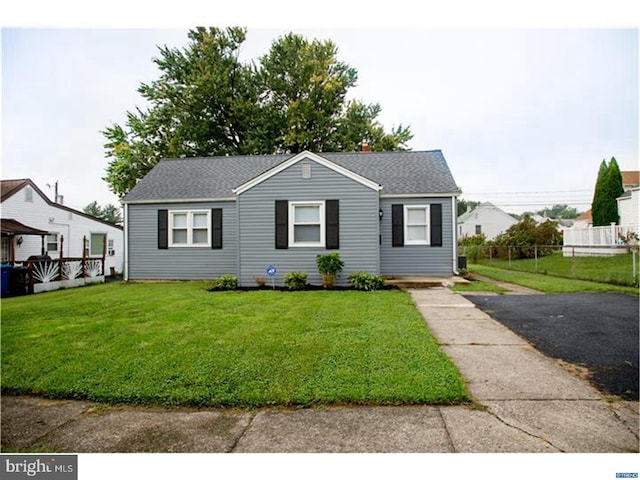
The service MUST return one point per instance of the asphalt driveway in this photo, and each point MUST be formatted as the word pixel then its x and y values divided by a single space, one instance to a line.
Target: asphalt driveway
pixel 596 330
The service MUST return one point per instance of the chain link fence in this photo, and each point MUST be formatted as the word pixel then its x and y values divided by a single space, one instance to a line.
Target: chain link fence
pixel 620 269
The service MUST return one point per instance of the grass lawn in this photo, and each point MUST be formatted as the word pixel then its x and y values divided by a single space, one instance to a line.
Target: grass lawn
pixel 615 269
pixel 547 283
pixel 177 344
pixel 478 286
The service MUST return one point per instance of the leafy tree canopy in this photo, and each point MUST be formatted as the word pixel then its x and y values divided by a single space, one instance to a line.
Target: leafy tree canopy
pixel 207 102
pixel 559 211
pixel 466 205
pixel 109 213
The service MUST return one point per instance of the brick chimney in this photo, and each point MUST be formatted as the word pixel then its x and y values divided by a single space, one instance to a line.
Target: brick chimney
pixel 364 147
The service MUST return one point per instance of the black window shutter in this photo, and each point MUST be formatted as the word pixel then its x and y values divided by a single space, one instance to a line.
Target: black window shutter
pixel 216 228
pixel 163 229
pixel 436 225
pixel 397 225
pixel 332 220
pixel 282 224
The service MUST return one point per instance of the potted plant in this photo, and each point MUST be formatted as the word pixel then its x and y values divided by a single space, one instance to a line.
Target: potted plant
pixel 329 265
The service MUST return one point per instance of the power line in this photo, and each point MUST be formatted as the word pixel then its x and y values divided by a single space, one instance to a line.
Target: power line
pixel 527 193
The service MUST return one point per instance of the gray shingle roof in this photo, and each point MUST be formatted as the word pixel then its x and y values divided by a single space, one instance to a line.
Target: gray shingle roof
pixel 400 173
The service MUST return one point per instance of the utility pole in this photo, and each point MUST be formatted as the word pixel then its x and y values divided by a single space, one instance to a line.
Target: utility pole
pixel 56 198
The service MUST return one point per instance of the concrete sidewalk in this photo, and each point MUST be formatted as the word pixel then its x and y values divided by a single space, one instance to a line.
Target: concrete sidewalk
pixel 529 403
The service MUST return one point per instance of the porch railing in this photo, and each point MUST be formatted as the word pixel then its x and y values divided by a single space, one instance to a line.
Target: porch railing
pixel 47 270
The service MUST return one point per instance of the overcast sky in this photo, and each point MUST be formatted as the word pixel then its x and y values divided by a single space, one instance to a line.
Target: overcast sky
pixel 523 116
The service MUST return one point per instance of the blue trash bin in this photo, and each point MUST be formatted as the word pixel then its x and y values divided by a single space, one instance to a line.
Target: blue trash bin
pixel 6 274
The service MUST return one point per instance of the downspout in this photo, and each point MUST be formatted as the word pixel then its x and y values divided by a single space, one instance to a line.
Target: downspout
pixel 454 227
pixel 126 242
pixel 239 241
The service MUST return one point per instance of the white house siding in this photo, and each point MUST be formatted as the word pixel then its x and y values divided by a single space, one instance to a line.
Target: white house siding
pixel 416 259
pixel 39 214
pixel 629 210
pixel 148 262
pixel 492 222
pixel 358 218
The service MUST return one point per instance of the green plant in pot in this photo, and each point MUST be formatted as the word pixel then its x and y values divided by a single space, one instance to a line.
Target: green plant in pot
pixel 329 265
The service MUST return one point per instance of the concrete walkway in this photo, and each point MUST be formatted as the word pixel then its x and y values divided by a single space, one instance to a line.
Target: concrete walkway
pixel 527 403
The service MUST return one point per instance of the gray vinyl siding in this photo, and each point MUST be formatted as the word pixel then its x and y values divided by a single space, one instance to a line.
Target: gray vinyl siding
pixel 147 262
pixel 358 217
pixel 416 259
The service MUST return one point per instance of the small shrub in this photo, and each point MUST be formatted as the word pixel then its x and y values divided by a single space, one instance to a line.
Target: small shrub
pixel 473 240
pixel 329 265
pixel 366 281
pixel 260 281
pixel 225 282
pixel 295 280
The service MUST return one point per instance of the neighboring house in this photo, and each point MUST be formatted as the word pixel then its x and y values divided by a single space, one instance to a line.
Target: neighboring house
pixel 583 220
pixel 390 213
pixel 32 224
pixel 629 208
pixel 486 218
pixel 630 179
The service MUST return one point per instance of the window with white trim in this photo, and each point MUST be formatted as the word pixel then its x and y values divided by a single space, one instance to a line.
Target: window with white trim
pixel 307 224
pixel 190 228
pixel 416 225
pixel 52 242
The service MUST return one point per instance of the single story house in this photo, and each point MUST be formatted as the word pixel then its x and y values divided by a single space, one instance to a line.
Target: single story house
pixel 486 218
pixel 32 224
pixel 390 213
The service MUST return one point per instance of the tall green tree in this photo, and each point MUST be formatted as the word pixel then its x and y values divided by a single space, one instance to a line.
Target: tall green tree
pixel 110 213
pixel 604 208
pixel 93 209
pixel 207 102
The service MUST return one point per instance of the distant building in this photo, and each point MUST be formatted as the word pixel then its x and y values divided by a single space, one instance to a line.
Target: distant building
pixel 630 179
pixel 629 208
pixel 486 218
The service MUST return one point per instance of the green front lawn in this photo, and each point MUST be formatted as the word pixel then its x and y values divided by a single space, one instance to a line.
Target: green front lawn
pixel 614 269
pixel 177 344
pixel 547 283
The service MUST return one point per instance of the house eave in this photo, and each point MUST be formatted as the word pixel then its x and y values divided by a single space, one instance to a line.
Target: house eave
pixel 420 195
pixel 178 200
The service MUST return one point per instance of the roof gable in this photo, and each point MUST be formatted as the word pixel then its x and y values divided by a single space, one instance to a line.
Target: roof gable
pixel 306 156
pixel 484 208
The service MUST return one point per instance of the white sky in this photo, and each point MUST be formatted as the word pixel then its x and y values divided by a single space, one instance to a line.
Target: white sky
pixel 516 109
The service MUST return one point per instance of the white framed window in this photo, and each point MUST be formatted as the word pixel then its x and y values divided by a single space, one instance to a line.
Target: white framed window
pixel 52 242
pixel 190 228
pixel 110 250
pixel 416 225
pixel 307 224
